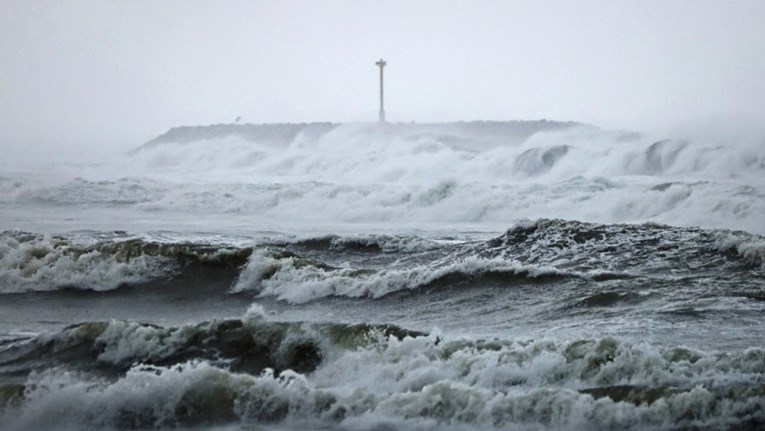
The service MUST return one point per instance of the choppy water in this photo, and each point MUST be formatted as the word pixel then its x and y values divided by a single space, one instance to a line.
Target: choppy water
pixel 461 276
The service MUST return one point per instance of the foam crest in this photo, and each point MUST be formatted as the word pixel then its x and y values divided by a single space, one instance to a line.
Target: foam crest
pixel 582 384
pixel 401 174
pixel 146 397
pixel 251 344
pixel 422 382
pixel 363 173
pixel 538 251
pixel 750 247
pixel 400 153
pixel 104 261
pixel 31 262
pixel 299 280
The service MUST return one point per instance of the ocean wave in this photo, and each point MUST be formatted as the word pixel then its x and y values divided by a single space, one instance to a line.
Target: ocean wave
pixel 527 148
pixel 30 262
pixel 748 246
pixel 374 243
pixel 406 381
pixel 462 173
pixel 610 298
pixel 627 248
pixel 36 262
pixel 449 198
pixel 300 280
pixel 304 268
pixel 248 345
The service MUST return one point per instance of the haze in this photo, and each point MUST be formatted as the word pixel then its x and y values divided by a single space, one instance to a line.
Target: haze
pixel 91 74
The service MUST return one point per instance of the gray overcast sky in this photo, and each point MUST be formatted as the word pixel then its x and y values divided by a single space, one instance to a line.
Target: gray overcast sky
pixel 124 71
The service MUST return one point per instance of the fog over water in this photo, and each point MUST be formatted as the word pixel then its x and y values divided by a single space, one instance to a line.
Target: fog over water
pixel 89 74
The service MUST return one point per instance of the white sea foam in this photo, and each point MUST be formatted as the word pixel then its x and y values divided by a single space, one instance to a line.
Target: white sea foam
pixel 750 247
pixel 426 382
pixel 123 341
pixel 41 263
pixel 145 397
pixel 298 280
pixel 400 175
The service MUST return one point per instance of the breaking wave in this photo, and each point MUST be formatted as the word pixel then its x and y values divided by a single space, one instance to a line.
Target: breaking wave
pixel 36 262
pixel 456 173
pixel 300 280
pixel 248 345
pixel 335 376
pixel 628 246
pixel 302 269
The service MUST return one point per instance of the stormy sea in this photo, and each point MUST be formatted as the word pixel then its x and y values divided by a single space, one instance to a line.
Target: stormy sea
pixel 524 275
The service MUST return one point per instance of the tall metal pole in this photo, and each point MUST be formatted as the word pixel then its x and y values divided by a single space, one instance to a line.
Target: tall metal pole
pixel 381 64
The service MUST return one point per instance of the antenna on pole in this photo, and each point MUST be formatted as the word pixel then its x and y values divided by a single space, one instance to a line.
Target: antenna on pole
pixel 381 64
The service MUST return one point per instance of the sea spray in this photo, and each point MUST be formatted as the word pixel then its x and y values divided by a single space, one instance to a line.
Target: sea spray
pixel 415 381
pixel 456 173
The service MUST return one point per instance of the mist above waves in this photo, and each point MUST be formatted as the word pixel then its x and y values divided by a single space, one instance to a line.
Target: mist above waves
pixel 463 172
